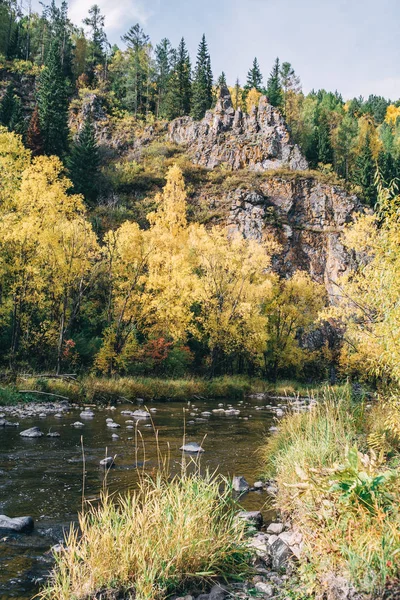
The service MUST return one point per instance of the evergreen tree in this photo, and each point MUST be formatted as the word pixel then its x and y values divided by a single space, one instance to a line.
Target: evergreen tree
pixel 164 60
pixel 221 81
pixel 325 150
pixel 237 95
pixel 179 94
pixel 290 84
pixel 254 78
pixel 98 43
pixel 137 81
pixel 364 174
pixel 274 89
pixel 11 113
pixel 34 139
pixel 202 83
pixel 84 161
pixel 387 167
pixel 52 101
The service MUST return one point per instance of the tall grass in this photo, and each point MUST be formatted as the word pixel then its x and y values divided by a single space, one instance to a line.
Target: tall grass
pixel 164 536
pixel 345 502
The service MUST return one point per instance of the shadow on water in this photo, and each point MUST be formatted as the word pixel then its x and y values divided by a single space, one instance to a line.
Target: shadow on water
pixel 43 477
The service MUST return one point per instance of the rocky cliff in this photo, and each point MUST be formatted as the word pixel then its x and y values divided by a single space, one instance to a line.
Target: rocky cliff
pixel 258 141
pixel 305 215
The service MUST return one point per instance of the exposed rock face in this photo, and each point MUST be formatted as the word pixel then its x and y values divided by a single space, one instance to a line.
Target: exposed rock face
pixel 305 216
pixel 259 141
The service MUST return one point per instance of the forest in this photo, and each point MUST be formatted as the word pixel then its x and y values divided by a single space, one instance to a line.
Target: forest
pixel 106 266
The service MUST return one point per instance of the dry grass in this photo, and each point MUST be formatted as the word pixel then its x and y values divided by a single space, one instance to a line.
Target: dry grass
pixel 162 537
pixel 346 503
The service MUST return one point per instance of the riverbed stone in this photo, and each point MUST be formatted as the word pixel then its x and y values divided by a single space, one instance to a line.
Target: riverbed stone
pixel 78 424
pixel 53 434
pixel 17 524
pixel 266 589
pixel 275 528
pixel 141 414
pixel 218 592
pixel 32 432
pixel 107 462
pixel 281 554
pixel 192 447
pixel 113 425
pixel 253 517
pixel 239 484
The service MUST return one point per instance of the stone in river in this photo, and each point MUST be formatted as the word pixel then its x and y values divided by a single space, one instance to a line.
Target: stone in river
pixel 113 425
pixel 87 414
pixel 18 524
pixel 192 447
pixel 78 424
pixel 239 484
pixel 253 517
pixel 141 414
pixel 53 434
pixel 33 432
pixel 115 436
pixel 107 462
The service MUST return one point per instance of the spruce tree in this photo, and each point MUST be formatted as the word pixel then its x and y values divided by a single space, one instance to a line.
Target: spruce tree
pixel 179 94
pixel 52 101
pixel 274 89
pixel 364 175
pixel 202 83
pixel 11 112
pixel 137 80
pixel 98 42
pixel 164 58
pixel 221 81
pixel 254 78
pixel 84 161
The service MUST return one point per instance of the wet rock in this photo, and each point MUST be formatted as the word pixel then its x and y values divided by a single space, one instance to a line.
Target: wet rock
pixel 17 524
pixel 239 484
pixel 53 434
pixel 192 448
pixel 113 425
pixel 107 462
pixel 87 414
pixel 77 424
pixel 141 414
pixel 258 485
pixel 33 432
pixel 275 528
pixel 115 436
pixel 253 517
pixel 5 423
pixel 232 412
pixel 272 490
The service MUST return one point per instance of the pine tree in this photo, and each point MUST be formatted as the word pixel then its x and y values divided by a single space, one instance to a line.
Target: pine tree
pixel 203 82
pixel 179 94
pixel 52 101
pixel 364 174
pixel 387 167
pixel 137 97
pixel 34 139
pixel 84 161
pixel 237 95
pixel 7 106
pixel 254 78
pixel 274 90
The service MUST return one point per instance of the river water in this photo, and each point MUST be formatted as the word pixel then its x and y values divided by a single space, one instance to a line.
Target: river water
pixel 43 477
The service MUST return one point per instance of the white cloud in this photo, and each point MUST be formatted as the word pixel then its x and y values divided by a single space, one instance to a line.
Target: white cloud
pixel 120 14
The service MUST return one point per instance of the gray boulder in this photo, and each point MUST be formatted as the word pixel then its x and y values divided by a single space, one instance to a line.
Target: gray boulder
pixel 218 593
pixel 107 462
pixel 141 414
pixel 53 434
pixel 275 528
pixel 253 517
pixel 239 484
pixel 33 432
pixel 17 524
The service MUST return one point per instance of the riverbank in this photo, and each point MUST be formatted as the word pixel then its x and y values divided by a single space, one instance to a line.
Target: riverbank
pixel 337 468
pixel 100 390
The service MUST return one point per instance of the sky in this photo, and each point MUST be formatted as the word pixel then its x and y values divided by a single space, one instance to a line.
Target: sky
pixel 349 45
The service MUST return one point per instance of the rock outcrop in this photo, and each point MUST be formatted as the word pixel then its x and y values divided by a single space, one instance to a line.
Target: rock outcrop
pixel 259 141
pixel 305 216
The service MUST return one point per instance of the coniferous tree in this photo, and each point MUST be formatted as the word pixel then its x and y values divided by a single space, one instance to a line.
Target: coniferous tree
pixel 221 81
pixel 202 83
pixel 97 48
pixel 7 106
pixel 254 78
pixel 237 95
pixel 387 167
pixel 34 139
pixel 84 161
pixel 364 174
pixel 137 82
pixel 179 94
pixel 164 59
pixel 52 101
pixel 325 151
pixel 274 89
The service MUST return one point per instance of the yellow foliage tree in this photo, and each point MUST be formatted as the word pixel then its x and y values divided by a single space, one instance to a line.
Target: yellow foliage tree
pixel 253 98
pixel 392 114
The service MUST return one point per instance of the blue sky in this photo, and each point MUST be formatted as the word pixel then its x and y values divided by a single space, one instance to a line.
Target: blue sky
pixel 349 45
